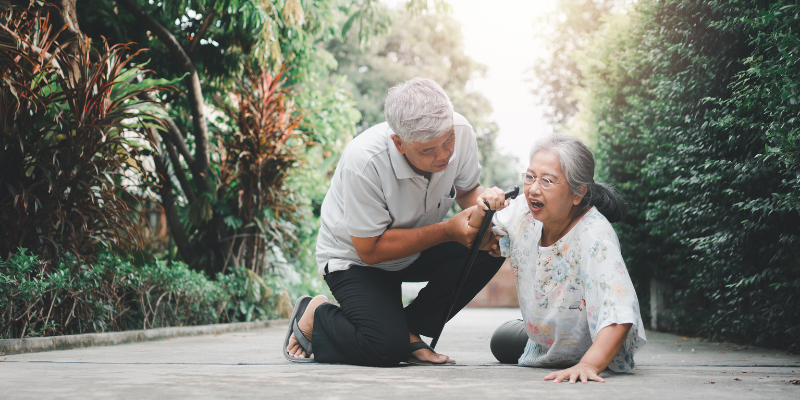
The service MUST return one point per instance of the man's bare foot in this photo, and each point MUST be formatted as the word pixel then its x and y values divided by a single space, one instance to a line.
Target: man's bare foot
pixel 306 325
pixel 425 354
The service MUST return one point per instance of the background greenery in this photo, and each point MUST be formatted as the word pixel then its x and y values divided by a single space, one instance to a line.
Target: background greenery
pixel 190 191
pixel 199 136
pixel 110 294
pixel 692 110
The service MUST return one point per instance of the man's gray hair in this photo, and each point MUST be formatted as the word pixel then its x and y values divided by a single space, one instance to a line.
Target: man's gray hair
pixel 418 110
pixel 577 163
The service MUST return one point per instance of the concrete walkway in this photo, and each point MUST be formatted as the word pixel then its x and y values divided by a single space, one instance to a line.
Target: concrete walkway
pixel 249 365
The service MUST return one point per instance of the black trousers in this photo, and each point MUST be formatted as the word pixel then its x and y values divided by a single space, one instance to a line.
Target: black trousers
pixel 370 327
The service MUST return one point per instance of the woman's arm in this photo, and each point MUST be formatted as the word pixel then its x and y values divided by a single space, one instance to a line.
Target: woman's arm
pixel 606 345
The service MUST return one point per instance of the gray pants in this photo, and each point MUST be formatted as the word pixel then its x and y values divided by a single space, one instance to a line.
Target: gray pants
pixel 508 341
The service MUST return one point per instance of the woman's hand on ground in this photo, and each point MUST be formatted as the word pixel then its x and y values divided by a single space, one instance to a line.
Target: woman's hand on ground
pixel 584 372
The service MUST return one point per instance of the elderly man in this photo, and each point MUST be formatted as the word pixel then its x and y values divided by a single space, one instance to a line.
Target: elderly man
pixel 382 225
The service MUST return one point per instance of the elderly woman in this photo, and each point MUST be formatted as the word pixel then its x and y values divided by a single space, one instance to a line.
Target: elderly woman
pixel 578 304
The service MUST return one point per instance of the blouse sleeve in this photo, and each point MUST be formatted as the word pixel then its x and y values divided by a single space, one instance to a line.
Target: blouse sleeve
pixel 502 222
pixel 611 299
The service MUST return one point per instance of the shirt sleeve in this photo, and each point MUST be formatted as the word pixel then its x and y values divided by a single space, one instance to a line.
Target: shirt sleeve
pixel 504 219
pixel 469 172
pixel 365 208
pixel 611 299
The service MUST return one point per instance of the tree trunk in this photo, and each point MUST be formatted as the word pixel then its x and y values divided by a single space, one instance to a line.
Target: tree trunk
pixel 199 162
pixel 195 95
pixel 69 19
pixel 168 202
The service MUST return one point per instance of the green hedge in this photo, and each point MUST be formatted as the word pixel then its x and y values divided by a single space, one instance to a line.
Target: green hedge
pixel 111 294
pixel 695 107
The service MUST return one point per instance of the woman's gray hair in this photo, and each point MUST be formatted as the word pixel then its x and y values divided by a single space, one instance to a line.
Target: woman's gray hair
pixel 418 110
pixel 577 163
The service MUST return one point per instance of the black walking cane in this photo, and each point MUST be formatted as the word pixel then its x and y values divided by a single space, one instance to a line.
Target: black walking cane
pixel 487 222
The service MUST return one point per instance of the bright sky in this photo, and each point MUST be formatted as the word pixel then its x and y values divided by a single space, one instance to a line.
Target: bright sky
pixel 500 35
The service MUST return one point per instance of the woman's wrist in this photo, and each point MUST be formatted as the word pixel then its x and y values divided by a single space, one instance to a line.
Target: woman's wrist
pixel 588 364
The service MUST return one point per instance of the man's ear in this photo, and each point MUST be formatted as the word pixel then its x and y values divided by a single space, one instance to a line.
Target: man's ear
pixel 579 197
pixel 399 144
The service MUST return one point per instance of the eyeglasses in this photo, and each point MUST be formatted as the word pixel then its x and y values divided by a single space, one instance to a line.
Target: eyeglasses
pixel 544 183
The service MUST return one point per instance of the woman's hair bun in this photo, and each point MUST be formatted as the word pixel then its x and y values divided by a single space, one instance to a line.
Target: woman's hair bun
pixel 607 201
pixel 577 163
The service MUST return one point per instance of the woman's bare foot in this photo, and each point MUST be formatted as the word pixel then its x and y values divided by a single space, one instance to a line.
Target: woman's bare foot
pixel 306 325
pixel 425 354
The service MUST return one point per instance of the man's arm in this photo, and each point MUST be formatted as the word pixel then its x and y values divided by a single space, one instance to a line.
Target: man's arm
pixel 469 198
pixel 394 244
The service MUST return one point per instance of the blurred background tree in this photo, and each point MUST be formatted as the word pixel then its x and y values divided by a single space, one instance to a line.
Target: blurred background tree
pixel 249 109
pixel 423 42
pixel 211 45
pixel 565 33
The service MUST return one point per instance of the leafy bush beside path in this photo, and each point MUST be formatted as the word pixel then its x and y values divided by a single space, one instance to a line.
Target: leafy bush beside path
pixel 695 109
pixel 111 294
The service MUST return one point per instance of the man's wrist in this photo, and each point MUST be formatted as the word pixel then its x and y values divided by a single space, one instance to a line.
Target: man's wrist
pixel 449 233
pixel 476 218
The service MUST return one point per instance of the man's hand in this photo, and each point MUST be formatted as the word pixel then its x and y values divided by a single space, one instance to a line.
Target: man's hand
pixel 491 243
pixel 458 229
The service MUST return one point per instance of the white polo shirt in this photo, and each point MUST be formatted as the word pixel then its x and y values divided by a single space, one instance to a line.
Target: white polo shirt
pixel 375 189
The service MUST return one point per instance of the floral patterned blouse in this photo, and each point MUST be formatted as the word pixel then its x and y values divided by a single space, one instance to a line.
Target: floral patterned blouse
pixel 571 290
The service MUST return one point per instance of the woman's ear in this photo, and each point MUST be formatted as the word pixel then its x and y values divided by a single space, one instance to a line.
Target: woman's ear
pixel 579 196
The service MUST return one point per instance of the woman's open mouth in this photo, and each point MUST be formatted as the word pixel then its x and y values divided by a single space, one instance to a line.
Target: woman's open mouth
pixel 536 205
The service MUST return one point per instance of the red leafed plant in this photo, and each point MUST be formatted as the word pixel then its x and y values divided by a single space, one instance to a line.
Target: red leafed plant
pixel 69 141
pixel 258 158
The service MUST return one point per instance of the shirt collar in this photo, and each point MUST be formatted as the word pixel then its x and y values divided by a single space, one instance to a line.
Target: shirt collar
pixel 402 169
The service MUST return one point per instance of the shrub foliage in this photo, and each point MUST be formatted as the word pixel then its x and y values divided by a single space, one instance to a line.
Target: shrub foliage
pixel 259 156
pixel 67 155
pixel 110 294
pixel 695 106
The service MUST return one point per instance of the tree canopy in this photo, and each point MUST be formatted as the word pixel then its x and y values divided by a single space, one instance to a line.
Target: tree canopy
pixel 427 44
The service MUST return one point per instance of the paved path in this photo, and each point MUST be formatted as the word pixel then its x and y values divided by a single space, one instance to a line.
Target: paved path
pixel 249 366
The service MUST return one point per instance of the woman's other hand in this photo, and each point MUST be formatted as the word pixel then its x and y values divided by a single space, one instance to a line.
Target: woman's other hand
pixel 496 200
pixel 583 371
pixel 494 197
